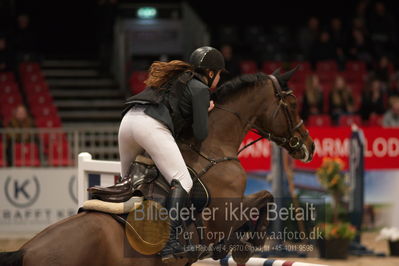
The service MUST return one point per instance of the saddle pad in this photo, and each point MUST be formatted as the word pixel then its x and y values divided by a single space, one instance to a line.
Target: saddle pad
pixel 113 207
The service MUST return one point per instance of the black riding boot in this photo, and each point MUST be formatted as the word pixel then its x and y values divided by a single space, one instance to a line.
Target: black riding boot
pixel 122 191
pixel 123 185
pixel 177 200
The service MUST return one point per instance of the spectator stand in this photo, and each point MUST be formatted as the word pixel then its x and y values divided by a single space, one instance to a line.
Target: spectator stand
pixel 10 96
pixel 54 145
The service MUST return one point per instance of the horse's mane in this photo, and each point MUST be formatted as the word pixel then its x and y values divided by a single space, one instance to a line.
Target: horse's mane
pixel 235 85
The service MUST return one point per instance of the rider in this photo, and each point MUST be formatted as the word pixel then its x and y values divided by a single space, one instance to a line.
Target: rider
pixel 177 96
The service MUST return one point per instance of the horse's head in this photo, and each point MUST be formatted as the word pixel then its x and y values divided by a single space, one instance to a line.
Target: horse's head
pixel 282 122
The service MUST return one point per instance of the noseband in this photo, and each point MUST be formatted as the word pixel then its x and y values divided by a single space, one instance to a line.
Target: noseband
pixel 292 143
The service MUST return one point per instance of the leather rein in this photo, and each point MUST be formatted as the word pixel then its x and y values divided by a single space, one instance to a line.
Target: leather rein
pixel 294 143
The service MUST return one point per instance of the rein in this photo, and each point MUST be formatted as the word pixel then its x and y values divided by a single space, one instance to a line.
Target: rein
pixel 263 134
pixel 294 143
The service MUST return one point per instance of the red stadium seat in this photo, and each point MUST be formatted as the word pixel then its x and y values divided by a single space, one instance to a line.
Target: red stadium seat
pixel 375 120
pixel 44 110
pixel 297 87
pixel 355 66
pixel 319 121
pixel 36 87
pixel 48 122
pixel 326 66
pixel 7 77
pixel 303 71
pixel 6 114
pixel 348 120
pixel 356 72
pixel 42 98
pixel 327 76
pixel 326 87
pixel 137 79
pixel 26 154
pixel 248 67
pixel 300 77
pixel 356 87
pixel 269 67
pixel 59 154
pixel 8 103
pixel 355 77
pixel 48 139
pixel 303 66
pixel 29 67
pixel 11 100
pixel 9 87
pixel 32 78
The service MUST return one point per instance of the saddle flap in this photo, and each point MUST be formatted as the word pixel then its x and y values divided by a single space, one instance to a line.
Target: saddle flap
pixel 155 185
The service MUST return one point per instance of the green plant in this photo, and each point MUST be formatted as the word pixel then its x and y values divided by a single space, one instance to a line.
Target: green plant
pixel 331 177
pixel 339 230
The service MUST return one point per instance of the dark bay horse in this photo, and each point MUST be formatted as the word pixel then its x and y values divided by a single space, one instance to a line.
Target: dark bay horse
pixel 254 101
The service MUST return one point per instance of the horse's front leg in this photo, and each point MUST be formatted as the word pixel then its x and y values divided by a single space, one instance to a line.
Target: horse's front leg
pixel 242 243
pixel 260 201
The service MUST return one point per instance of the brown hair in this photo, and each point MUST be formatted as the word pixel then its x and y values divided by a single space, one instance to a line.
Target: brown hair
pixel 161 72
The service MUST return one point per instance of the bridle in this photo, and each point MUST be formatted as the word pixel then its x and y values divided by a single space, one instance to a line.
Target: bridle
pixel 291 143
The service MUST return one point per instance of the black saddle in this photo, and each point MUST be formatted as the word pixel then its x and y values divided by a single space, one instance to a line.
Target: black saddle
pixel 146 180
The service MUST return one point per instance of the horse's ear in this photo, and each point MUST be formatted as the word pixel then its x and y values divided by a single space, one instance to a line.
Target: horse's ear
pixel 287 75
pixel 276 72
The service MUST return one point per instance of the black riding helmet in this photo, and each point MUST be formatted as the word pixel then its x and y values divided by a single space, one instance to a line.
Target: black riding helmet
pixel 207 58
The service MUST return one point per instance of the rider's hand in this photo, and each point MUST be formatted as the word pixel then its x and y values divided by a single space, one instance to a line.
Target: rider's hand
pixel 211 106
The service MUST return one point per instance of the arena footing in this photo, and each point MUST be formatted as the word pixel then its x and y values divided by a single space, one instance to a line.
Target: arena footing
pixel 258 262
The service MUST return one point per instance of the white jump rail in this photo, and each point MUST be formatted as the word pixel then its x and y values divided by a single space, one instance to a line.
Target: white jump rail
pixel 86 165
pixel 257 262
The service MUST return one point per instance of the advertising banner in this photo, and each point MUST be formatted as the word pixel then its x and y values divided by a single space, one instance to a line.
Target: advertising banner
pixel 381 149
pixel 33 198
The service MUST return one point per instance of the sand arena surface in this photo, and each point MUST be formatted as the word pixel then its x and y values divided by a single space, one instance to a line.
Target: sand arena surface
pixel 368 239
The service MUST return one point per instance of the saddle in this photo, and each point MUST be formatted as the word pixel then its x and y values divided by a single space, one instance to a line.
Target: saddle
pixel 148 182
pixel 148 185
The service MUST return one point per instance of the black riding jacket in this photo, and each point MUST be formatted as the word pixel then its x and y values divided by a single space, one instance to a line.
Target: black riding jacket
pixel 183 102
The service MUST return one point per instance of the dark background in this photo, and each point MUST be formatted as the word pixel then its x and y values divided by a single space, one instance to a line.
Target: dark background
pixel 70 24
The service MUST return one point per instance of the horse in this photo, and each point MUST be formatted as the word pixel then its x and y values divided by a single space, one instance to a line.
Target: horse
pixel 249 102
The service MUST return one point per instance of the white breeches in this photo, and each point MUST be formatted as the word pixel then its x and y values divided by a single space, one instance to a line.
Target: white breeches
pixel 139 132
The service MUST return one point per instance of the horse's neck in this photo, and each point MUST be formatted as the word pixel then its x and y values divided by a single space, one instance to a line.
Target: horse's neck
pixel 226 129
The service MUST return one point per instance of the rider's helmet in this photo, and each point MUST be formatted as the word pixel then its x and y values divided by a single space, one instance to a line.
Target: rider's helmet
pixel 207 57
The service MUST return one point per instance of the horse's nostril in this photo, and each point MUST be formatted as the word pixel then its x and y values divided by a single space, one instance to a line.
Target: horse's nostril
pixel 313 147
